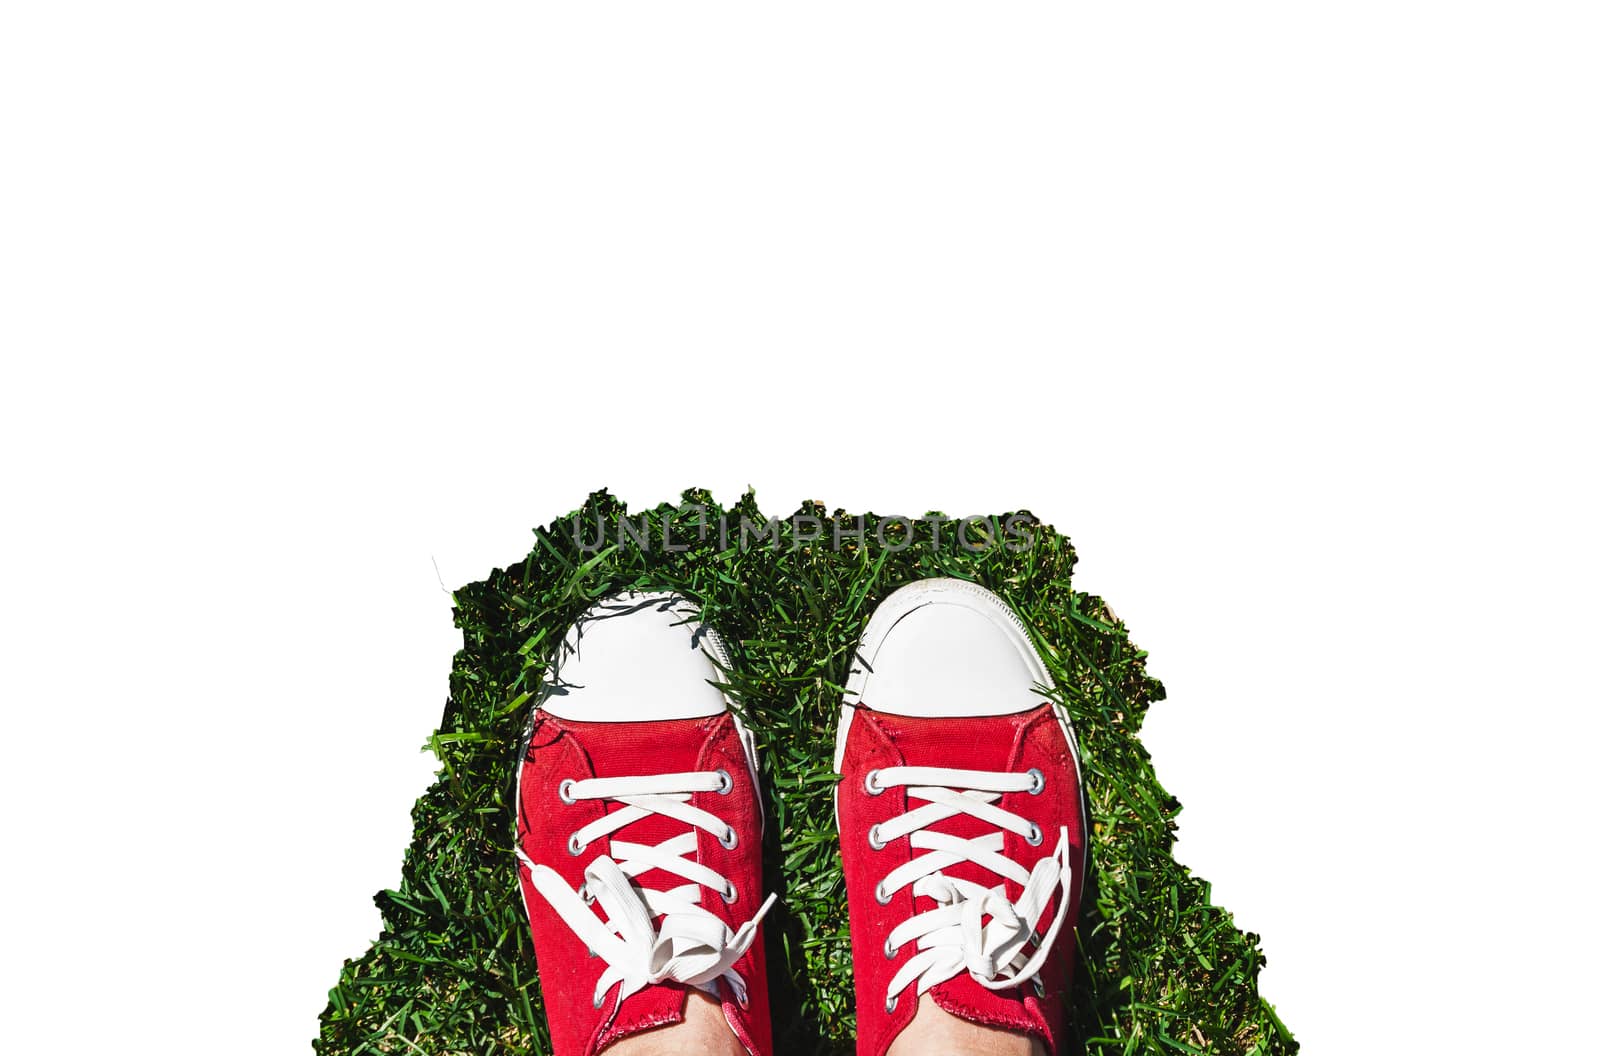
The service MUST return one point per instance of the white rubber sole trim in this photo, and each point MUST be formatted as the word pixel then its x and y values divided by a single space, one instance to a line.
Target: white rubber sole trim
pixel 711 642
pixel 946 591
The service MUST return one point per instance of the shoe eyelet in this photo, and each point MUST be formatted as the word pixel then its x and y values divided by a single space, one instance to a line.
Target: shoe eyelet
pixel 574 848
pixel 873 839
pixel 1035 836
pixel 742 999
pixel 870 783
pixel 1038 781
pixel 729 839
pixel 890 951
pixel 881 895
pixel 726 784
pixel 888 1006
pixel 730 894
pixel 565 791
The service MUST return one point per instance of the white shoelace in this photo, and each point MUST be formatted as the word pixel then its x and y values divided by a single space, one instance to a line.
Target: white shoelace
pixel 953 936
pixel 691 946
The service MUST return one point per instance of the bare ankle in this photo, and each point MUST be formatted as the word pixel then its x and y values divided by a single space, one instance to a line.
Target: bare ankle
pixel 703 1031
pixel 935 1030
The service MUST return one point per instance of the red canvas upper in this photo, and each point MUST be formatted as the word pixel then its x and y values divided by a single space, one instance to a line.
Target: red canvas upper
pixel 562 749
pixel 1009 743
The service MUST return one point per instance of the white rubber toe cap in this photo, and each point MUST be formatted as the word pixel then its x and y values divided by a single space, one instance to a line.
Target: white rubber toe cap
pixel 944 648
pixel 637 658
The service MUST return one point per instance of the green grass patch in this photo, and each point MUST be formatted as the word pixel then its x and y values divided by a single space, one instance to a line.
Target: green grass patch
pixel 1160 968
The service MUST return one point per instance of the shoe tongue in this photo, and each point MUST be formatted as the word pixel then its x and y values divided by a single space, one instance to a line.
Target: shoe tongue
pixel 639 749
pixel 975 743
pixel 985 742
pixel 979 742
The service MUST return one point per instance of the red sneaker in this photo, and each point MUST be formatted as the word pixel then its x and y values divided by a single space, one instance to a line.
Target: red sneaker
pixel 961 818
pixel 639 832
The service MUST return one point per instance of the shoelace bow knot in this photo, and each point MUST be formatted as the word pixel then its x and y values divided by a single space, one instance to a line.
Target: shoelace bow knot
pixel 691 946
pixel 954 936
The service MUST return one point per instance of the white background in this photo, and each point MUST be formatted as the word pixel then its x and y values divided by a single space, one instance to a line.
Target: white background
pixel 1285 313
